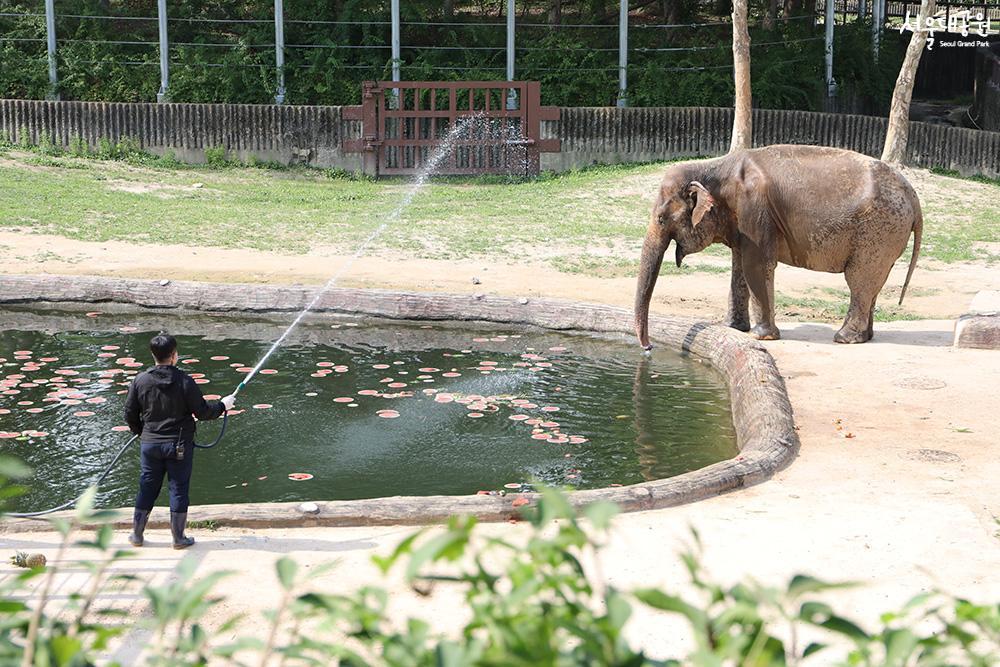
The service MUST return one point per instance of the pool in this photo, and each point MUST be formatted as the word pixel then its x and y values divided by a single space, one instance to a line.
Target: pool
pixel 360 407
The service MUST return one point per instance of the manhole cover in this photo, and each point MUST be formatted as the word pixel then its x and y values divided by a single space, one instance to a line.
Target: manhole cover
pixel 933 455
pixel 920 383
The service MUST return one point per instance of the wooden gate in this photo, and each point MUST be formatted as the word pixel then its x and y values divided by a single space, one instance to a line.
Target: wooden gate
pixel 451 127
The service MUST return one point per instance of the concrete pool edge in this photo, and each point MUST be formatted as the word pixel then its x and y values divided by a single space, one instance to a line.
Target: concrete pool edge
pixel 762 412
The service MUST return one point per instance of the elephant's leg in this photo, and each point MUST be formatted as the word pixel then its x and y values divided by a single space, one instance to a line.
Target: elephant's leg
pixel 738 316
pixel 865 280
pixel 758 270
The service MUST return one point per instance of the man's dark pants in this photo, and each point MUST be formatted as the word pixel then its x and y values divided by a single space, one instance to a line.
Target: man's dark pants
pixel 156 460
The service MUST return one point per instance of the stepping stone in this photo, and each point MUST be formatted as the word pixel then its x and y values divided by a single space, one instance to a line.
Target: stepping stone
pixel 980 326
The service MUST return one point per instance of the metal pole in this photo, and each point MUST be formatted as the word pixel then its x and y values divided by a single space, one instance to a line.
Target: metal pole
pixel 279 49
pixel 394 9
pixel 623 53
pixel 161 17
pixel 831 85
pixel 510 40
pixel 50 33
pixel 877 8
pixel 511 93
pixel 395 40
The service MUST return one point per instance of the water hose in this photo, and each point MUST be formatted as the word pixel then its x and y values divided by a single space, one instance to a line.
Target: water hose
pixel 107 471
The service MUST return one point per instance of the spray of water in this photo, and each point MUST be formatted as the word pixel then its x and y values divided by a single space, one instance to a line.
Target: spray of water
pixel 442 151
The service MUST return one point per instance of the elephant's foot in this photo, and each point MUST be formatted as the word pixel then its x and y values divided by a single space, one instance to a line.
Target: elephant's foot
pixel 738 323
pixel 765 331
pixel 846 335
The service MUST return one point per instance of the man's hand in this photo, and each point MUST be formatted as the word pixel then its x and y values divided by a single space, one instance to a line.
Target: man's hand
pixel 229 401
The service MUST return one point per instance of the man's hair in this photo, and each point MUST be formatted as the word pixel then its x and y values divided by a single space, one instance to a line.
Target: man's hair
pixel 162 346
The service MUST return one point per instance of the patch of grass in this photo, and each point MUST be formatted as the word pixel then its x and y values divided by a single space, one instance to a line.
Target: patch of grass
pixel 957 229
pixel 203 525
pixel 611 266
pixel 48 161
pixel 269 206
pixel 952 173
pixel 824 310
pixel 294 210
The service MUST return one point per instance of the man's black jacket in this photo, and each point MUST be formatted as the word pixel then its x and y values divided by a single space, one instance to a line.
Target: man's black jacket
pixel 160 403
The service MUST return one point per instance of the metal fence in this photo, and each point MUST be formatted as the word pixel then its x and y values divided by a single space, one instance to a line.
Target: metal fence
pixel 503 46
pixel 506 43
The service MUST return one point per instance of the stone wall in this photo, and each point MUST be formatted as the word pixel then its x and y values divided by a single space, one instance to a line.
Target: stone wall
pixel 588 135
pixel 762 412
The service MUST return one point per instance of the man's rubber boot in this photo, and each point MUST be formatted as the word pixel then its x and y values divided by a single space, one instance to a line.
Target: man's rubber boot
pixel 139 519
pixel 177 522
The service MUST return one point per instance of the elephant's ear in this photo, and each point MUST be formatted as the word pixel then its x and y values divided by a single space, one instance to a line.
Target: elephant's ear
pixel 703 202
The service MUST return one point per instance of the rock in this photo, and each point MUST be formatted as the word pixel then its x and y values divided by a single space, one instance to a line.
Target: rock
pixel 164 283
pixel 476 281
pixel 523 301
pixel 309 508
pixel 198 185
pixel 980 326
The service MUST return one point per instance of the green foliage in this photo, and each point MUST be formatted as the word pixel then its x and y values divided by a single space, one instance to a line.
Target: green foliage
pixel 222 61
pixel 46 146
pixel 215 157
pixel 859 75
pixel 539 602
pixel 78 147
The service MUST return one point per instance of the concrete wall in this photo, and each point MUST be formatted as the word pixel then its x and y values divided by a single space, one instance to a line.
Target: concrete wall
pixel 599 135
pixel 594 135
pixel 287 134
pixel 985 110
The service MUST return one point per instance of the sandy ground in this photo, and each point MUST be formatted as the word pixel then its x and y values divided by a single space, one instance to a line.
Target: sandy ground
pixel 907 504
pixel 937 290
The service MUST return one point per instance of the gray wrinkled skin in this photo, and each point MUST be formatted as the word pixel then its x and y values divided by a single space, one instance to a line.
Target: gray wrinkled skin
pixel 818 208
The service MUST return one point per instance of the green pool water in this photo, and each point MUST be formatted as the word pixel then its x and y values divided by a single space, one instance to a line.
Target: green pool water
pixel 479 406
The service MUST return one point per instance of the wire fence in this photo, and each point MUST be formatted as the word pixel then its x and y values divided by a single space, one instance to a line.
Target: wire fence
pixel 323 61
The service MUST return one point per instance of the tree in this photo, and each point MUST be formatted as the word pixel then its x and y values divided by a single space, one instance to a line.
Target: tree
pixel 742 119
pixel 896 136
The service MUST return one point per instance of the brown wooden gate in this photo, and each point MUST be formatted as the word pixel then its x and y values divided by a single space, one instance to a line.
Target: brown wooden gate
pixel 462 127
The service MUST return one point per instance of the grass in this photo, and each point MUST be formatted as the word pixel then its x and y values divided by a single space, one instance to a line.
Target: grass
pixel 556 218
pixel 959 223
pixel 611 266
pixel 291 210
pixel 833 310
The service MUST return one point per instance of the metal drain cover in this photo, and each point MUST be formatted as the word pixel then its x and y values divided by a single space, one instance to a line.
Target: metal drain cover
pixel 933 455
pixel 920 383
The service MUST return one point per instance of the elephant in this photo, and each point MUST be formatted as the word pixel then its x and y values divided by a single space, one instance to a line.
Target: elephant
pixel 819 208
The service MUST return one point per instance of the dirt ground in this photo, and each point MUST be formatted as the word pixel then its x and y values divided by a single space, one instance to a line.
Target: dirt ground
pixel 937 290
pixel 895 485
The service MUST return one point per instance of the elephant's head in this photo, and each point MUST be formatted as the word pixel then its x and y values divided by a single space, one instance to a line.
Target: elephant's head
pixel 687 213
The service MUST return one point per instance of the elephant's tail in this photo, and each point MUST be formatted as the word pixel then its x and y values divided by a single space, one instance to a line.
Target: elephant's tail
pixel 918 228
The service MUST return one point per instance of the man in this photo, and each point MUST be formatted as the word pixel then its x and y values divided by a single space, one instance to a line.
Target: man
pixel 159 409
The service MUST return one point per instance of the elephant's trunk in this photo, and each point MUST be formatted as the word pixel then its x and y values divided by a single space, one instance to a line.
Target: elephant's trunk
pixel 649 269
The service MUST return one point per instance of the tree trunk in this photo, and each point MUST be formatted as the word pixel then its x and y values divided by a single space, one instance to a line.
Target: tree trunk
pixel 793 7
pixel 555 12
pixel 671 12
pixel 899 113
pixel 771 15
pixel 448 9
pixel 742 119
